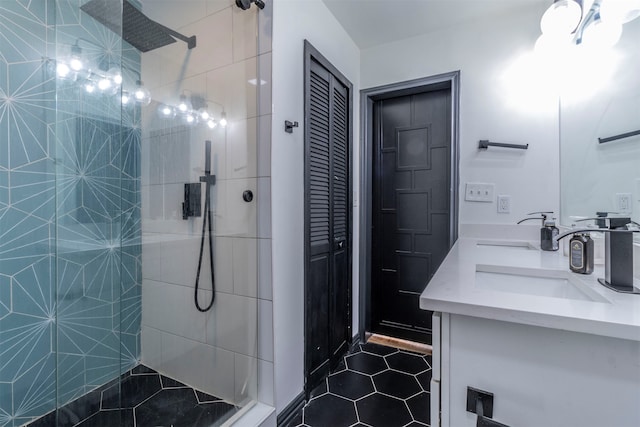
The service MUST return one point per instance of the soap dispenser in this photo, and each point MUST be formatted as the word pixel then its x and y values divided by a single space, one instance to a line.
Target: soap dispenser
pixel 581 253
pixel 548 233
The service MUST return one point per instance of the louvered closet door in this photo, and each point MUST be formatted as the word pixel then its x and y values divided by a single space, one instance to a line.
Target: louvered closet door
pixel 327 186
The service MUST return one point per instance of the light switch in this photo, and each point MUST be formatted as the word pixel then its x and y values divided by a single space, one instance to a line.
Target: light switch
pixel 479 192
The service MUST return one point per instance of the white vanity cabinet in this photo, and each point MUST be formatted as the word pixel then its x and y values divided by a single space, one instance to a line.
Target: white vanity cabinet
pixel 569 359
pixel 539 376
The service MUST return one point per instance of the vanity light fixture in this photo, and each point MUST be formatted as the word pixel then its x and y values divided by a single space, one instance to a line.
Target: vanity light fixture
pixel 566 22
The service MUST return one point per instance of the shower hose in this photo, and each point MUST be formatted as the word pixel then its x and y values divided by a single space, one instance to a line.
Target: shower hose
pixel 206 221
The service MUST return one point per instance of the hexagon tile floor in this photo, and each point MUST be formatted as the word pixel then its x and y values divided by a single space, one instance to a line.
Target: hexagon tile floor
pixel 374 386
pixel 142 398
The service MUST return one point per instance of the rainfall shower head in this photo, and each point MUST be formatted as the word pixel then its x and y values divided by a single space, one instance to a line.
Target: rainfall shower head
pixel 136 28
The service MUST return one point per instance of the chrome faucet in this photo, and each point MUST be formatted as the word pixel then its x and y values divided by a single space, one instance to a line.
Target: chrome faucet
pixel 618 266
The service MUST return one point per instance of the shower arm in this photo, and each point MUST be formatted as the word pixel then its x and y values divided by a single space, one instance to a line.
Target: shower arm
pixel 190 41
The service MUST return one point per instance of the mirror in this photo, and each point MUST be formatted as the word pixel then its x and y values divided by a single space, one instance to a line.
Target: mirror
pixel 603 175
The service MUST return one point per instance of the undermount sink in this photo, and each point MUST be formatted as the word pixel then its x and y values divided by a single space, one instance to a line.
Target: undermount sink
pixel 511 244
pixel 535 282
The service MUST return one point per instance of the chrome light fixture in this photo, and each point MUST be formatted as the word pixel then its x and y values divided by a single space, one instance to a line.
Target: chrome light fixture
pixel 566 22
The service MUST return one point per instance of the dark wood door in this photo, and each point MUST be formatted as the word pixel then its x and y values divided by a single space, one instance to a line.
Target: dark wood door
pixel 411 210
pixel 327 212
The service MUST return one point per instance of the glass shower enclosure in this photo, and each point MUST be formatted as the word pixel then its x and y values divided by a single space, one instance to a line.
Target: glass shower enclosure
pixel 118 118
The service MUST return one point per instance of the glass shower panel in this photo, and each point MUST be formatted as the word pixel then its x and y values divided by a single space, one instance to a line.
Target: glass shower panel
pixel 201 97
pixel 95 139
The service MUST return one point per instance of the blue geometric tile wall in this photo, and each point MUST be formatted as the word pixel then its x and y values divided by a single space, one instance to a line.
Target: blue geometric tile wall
pixel 70 237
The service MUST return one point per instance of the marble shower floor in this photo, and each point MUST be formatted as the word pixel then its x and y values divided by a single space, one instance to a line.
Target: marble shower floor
pixel 147 399
pixel 373 386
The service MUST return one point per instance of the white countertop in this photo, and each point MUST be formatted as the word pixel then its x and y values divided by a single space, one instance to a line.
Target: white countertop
pixel 453 290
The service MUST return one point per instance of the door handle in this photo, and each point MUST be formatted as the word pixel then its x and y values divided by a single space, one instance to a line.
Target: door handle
pixel 339 244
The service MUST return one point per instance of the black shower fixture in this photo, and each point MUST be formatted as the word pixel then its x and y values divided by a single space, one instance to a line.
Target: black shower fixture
pixel 136 28
pixel 246 4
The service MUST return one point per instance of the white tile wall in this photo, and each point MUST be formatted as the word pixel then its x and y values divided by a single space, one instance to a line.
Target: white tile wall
pixel 232 324
pixel 204 367
pixel 245 267
pixel 245 33
pixel 265 330
pixel 242 148
pixel 265 287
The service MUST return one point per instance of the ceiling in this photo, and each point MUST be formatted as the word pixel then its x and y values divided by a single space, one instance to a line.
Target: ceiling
pixel 374 22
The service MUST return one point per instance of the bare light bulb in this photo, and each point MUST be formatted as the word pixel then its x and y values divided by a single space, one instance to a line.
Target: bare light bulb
pixel 62 69
pixel 115 75
pixel 562 17
pixel 223 119
pixel 184 104
pixel 141 94
pixel 104 84
pixel 166 111
pixel 211 123
pixel 204 114
pixel 601 34
pixel 76 64
pixel 90 87
pixel 125 98
pixel 619 11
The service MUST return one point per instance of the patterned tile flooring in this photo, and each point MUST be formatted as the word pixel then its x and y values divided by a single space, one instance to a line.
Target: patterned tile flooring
pixel 146 399
pixel 374 386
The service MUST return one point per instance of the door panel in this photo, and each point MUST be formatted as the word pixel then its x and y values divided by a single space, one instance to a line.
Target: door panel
pixel 411 208
pixel 328 270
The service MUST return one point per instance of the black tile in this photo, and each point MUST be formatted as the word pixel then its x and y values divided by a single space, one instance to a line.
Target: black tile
pixel 425 379
pixel 46 421
pixel 350 384
pixel 397 384
pixel 122 418
pixel 179 407
pixel 206 398
pixel 416 424
pixel 382 350
pixel 170 382
pixel 319 390
pixel 420 407
pixel 330 411
pixel 380 410
pixel 366 363
pixel 142 369
pixel 407 362
pixel 133 390
pixel 80 409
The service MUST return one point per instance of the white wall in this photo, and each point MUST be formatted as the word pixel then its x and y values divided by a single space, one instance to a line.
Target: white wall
pixel 293 22
pixel 501 100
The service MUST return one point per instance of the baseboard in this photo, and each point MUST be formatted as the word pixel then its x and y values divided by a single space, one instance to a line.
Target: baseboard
pixel 291 410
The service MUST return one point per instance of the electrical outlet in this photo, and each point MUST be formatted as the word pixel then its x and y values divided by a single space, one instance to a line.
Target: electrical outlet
pixel 479 192
pixel 624 203
pixel 504 204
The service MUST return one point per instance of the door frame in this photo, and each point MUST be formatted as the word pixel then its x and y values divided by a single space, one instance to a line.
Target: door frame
pixel 367 99
pixel 310 52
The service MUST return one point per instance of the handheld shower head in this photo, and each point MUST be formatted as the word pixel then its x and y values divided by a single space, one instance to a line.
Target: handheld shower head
pixel 246 4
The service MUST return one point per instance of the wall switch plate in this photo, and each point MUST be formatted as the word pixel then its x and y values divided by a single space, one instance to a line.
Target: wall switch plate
pixel 479 192
pixel 486 398
pixel 504 204
pixel 624 203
